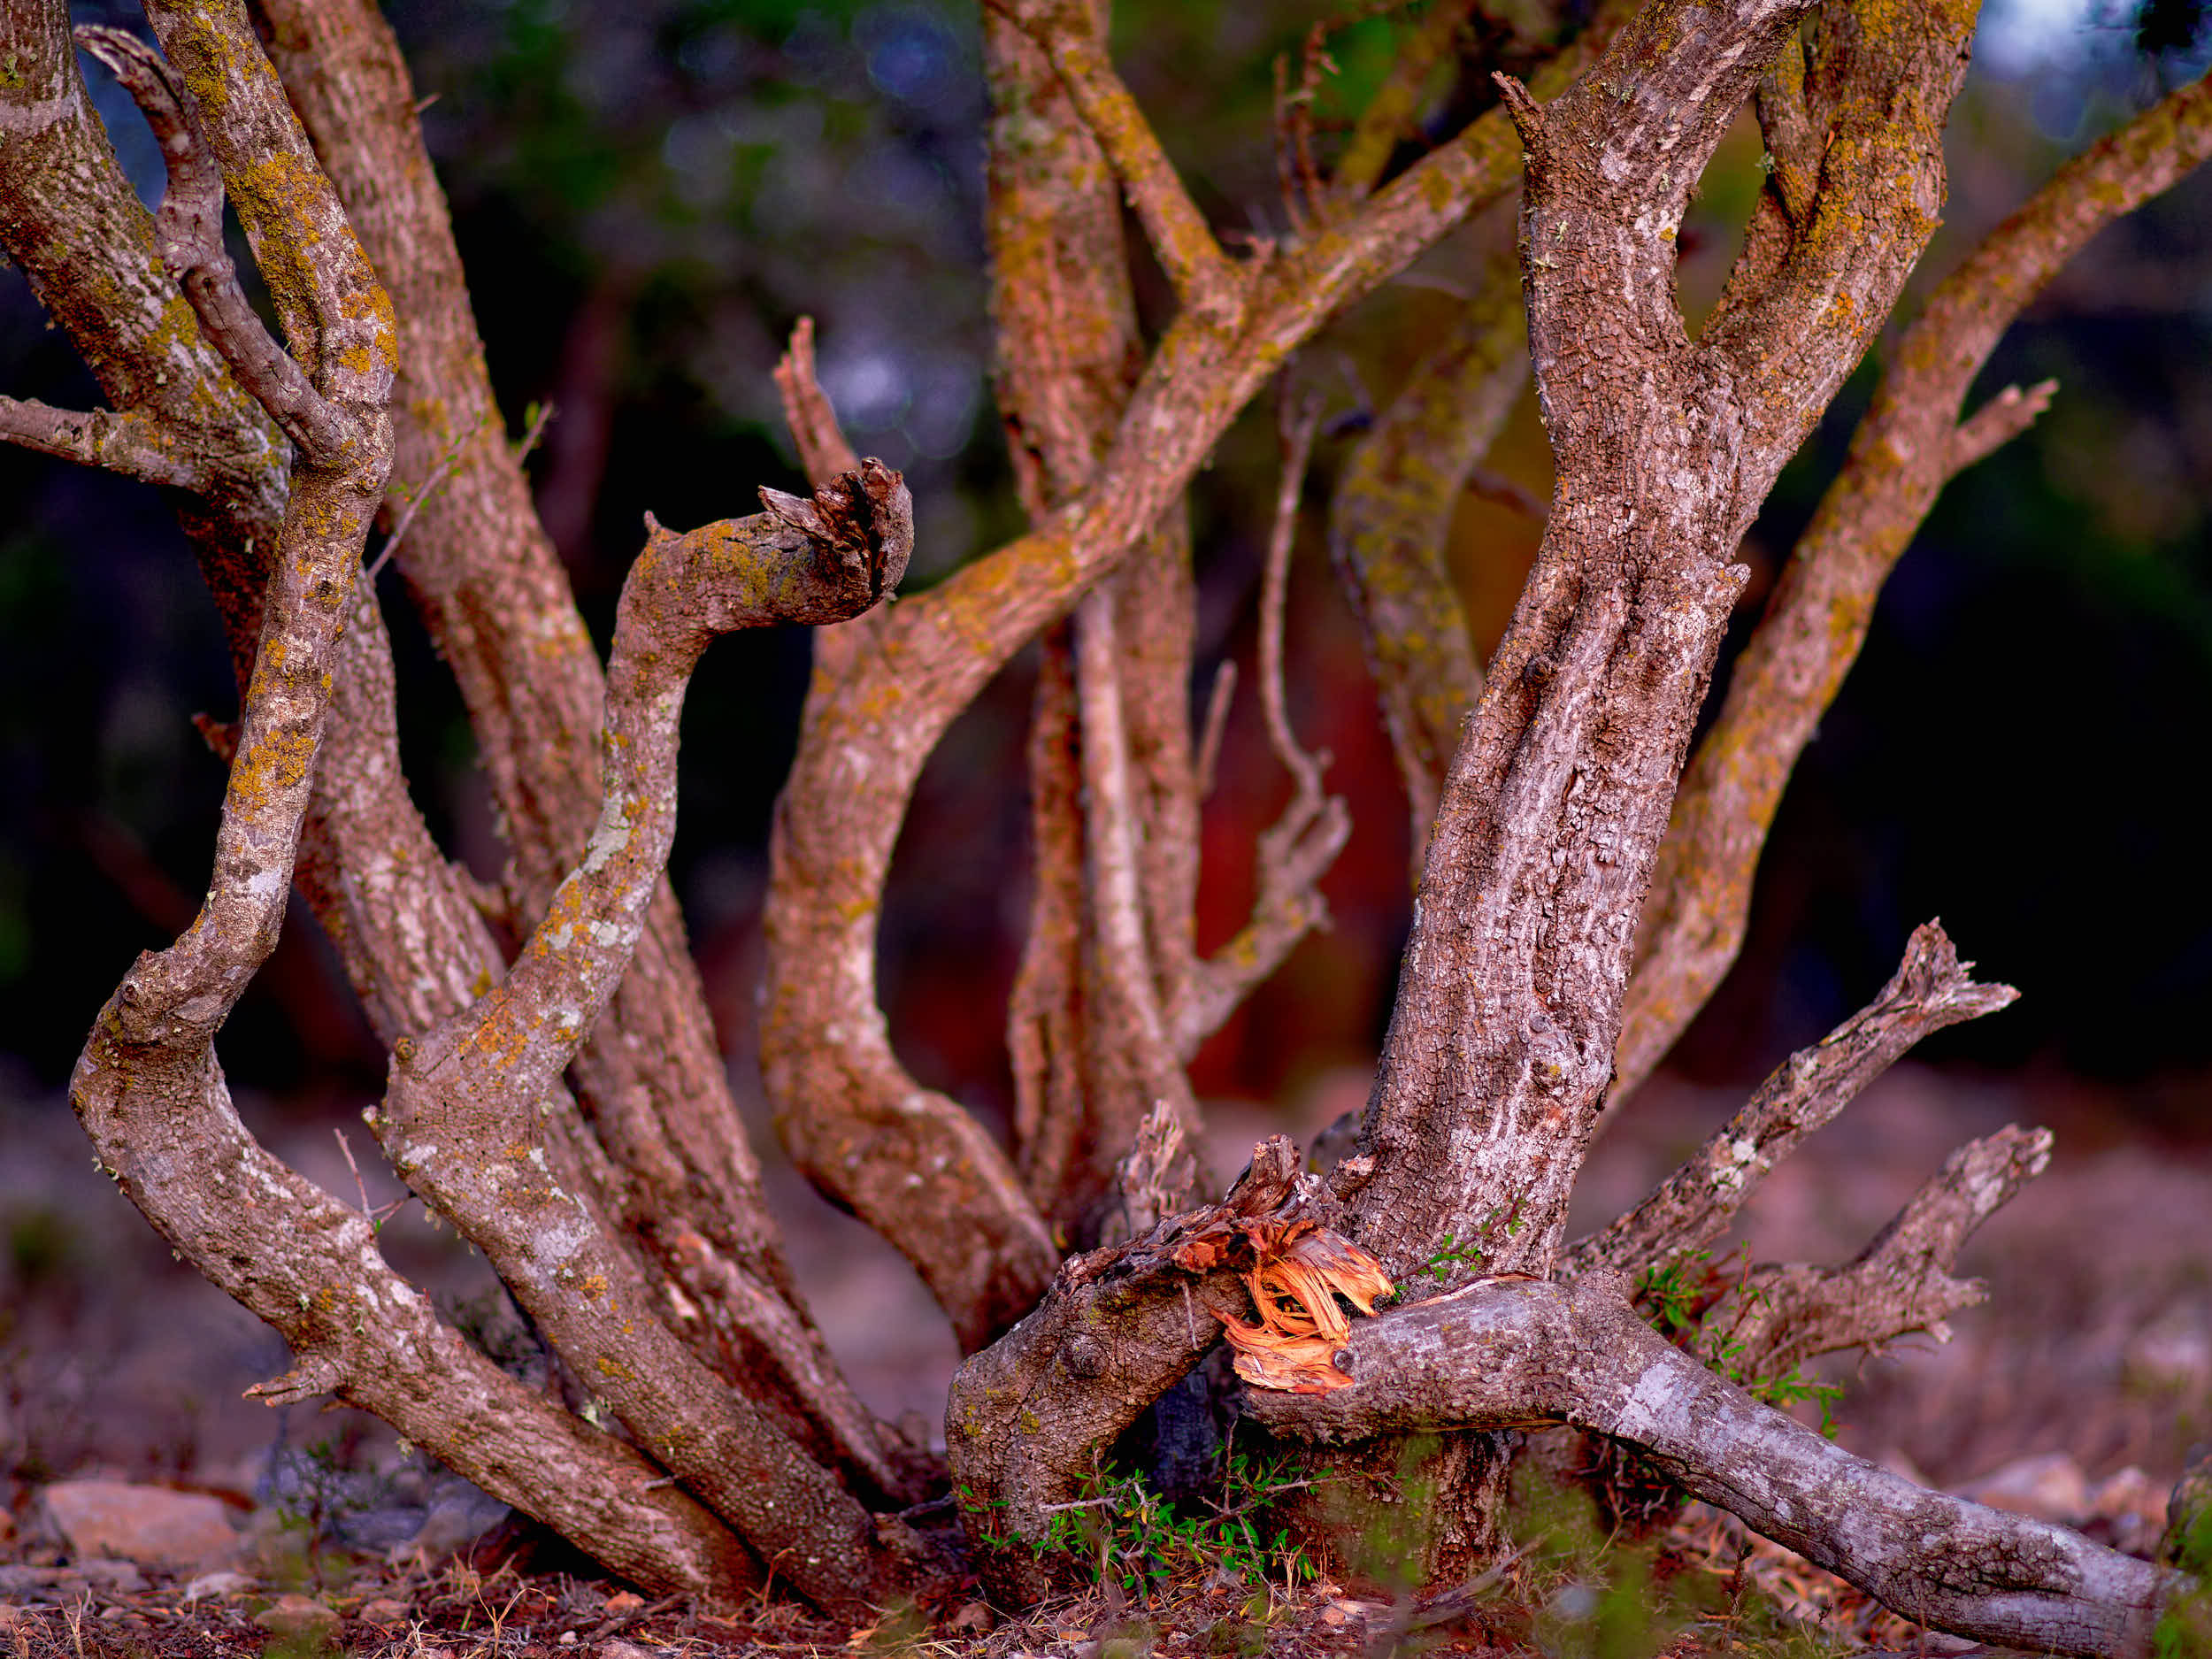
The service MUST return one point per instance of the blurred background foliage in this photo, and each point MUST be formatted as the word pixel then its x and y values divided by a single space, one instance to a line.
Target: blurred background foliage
pixel 647 195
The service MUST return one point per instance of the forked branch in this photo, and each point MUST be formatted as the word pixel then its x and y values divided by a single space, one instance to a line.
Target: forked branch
pixel 1501 1043
pixel 1296 851
pixel 913 1163
pixel 1204 279
pixel 465 1119
pixel 1931 989
pixel 147 1088
pixel 1908 446
pixel 494 598
pixel 1778 1316
pixel 333 305
pixel 149 1094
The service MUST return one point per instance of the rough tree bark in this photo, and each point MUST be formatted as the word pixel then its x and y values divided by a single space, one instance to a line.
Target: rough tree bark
pixel 553 1089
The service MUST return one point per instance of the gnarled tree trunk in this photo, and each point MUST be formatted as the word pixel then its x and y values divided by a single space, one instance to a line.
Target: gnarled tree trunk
pixel 553 1089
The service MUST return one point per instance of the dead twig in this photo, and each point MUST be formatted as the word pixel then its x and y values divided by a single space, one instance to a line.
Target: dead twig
pixel 1297 429
pixel 439 473
pixel 1217 700
pixel 376 1217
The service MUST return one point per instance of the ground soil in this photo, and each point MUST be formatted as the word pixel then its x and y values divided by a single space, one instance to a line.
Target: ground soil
pixel 2092 1355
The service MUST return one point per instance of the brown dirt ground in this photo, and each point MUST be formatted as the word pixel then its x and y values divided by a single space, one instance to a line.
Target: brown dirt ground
pixel 2095 1346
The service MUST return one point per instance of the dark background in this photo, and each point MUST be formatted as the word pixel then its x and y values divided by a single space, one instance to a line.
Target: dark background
pixel 647 196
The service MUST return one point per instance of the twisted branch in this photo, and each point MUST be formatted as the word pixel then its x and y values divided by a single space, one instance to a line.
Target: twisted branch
pixel 1909 444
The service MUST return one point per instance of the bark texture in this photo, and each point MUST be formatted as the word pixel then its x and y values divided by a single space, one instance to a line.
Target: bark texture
pixel 679 1175
pixel 1107 964
pixel 1518 1353
pixel 1123 1325
pixel 1500 1046
pixel 853 1117
pixel 401 915
pixel 1914 438
pixel 554 1089
pixel 1931 989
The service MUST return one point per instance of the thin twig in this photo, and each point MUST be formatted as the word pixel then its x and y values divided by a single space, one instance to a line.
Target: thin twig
pixel 541 414
pixel 359 1185
pixel 621 1622
pixel 1997 422
pixel 1217 721
pixel 1080 1503
pixel 439 473
pixel 1313 828
pixel 376 1216
pixel 1297 429
pixel 1493 485
pixel 188 237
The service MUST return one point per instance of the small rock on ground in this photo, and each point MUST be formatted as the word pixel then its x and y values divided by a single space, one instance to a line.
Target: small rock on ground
pixel 295 1615
pixel 223 1586
pixel 178 1532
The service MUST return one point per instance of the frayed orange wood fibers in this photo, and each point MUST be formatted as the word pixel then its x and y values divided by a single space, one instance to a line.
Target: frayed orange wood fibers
pixel 1300 1274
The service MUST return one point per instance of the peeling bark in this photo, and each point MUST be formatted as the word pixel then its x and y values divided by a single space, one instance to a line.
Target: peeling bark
pixel 852 1117
pixel 625 1215
pixel 1027 1417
